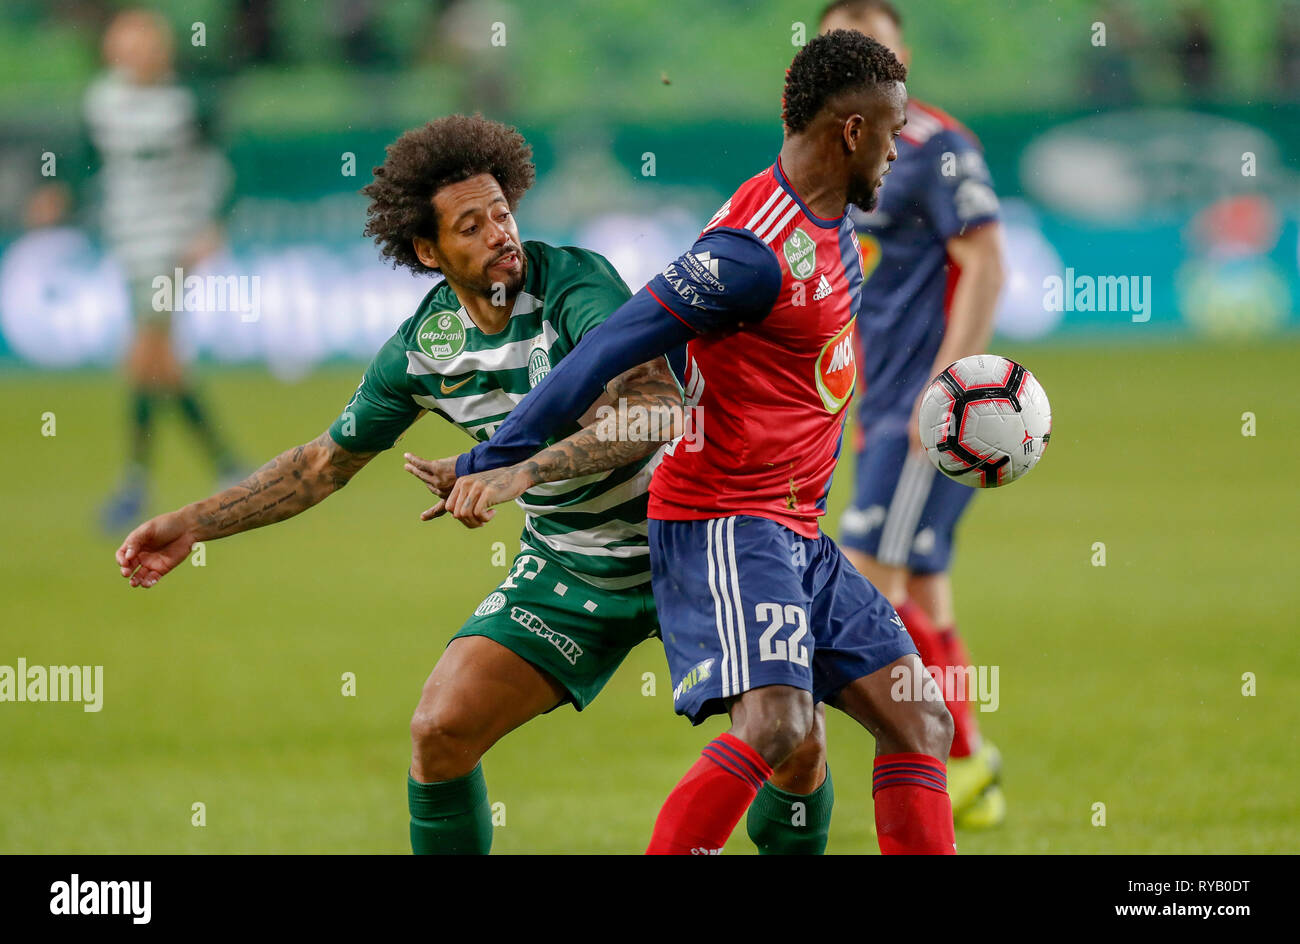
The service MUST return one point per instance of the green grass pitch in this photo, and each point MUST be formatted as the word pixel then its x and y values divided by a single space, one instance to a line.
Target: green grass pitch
pixel 1120 684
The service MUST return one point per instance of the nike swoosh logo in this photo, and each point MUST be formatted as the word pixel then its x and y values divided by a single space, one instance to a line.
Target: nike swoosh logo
pixel 454 387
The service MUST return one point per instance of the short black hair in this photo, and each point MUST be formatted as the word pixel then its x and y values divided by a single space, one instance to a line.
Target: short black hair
pixel 833 63
pixel 426 159
pixel 858 8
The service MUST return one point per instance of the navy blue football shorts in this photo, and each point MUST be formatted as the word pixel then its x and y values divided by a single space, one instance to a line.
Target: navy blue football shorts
pixel 904 510
pixel 745 602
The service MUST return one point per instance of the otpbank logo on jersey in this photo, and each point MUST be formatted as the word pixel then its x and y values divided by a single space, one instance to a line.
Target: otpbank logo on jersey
pixel 837 369
pixel 441 336
pixel 801 254
pixel 698 271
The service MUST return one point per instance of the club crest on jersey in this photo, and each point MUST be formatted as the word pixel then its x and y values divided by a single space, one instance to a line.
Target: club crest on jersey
pixel 539 365
pixel 801 254
pixel 441 335
pixel 493 602
pixel 837 369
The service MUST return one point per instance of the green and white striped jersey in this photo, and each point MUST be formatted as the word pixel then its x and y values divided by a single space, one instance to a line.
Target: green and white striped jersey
pixel 440 361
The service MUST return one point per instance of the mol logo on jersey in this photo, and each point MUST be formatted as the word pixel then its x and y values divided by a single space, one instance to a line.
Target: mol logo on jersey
pixel 837 369
pixel 441 335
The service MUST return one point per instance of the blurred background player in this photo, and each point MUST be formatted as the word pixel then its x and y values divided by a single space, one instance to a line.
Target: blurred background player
pixel 932 262
pixel 159 187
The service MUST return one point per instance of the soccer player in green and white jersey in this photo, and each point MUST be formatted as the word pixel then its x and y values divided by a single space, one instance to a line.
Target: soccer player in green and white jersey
pixel 577 597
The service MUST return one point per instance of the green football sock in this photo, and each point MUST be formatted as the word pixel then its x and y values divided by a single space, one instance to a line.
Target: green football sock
pixel 193 410
pixel 781 823
pixel 450 817
pixel 142 412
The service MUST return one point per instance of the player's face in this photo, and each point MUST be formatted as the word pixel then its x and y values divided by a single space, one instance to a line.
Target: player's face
pixel 478 243
pixel 883 116
pixel 138 43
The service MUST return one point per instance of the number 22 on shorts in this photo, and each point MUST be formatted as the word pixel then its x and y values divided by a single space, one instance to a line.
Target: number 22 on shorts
pixel 791 650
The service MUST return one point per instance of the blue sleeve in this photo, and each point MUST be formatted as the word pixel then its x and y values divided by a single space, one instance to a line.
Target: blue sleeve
pixel 959 196
pixel 728 277
pixel 640 330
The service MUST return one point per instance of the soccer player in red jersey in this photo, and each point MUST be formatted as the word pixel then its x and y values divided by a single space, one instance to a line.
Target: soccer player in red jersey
pixel 762 616
pixel 933 253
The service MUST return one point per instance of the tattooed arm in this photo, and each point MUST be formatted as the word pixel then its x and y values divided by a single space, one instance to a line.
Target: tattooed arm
pixel 288 484
pixel 647 390
pixel 646 399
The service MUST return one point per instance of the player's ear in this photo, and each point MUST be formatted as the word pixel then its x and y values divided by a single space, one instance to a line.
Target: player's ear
pixel 852 133
pixel 427 252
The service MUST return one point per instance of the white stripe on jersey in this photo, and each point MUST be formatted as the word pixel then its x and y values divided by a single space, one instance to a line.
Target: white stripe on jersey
pixel 717 217
pixel 762 230
pixel 469 411
pixel 611 584
pixel 509 356
pixel 604 583
pixel 617 495
pixel 595 541
pixel 561 486
pixel 763 209
pixel 781 225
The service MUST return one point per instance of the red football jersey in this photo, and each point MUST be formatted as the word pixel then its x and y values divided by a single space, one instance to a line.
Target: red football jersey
pixel 773 291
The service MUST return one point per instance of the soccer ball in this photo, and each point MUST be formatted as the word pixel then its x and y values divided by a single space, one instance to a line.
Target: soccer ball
pixel 985 421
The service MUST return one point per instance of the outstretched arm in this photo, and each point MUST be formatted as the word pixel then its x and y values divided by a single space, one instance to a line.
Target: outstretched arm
pixel 647 390
pixel 288 484
pixel 637 332
pixel 729 277
pixel 603 444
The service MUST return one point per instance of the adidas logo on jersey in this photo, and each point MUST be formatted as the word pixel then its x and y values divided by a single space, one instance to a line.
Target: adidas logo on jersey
pixel 823 289
pixel 706 259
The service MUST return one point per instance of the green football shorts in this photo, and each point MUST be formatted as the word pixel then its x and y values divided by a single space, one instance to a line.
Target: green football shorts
pixel 578 633
pixel 143 310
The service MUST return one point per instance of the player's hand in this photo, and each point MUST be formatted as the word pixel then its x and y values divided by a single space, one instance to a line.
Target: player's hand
pixel 153 549
pixel 438 476
pixel 473 496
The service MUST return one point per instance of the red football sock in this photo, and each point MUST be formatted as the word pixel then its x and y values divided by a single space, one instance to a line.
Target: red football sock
pixel 913 812
pixel 965 732
pixel 940 651
pixel 705 806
